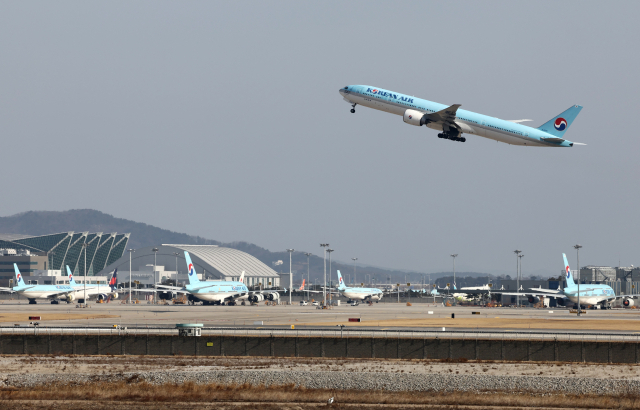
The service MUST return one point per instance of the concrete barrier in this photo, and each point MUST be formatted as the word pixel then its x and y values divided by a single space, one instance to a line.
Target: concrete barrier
pixel 336 347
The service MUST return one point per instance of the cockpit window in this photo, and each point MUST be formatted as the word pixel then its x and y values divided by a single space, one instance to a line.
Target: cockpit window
pixel 346 87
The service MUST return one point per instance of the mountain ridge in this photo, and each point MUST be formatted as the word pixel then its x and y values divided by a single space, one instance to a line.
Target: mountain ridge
pixel 144 235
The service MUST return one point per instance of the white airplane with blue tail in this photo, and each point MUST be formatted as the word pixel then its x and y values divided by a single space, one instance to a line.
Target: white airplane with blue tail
pixel 598 295
pixel 453 122
pixel 221 291
pixel 69 293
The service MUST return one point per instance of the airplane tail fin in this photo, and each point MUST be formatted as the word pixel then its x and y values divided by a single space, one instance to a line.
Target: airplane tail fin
pixel 19 280
pixel 193 277
pixel 72 282
pixel 559 124
pixel 302 287
pixel 113 282
pixel 340 282
pixel 567 272
pixel 242 277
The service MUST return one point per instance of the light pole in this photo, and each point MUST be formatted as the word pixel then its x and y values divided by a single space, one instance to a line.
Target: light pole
pixel 354 270
pixel 176 255
pixel 131 251
pixel 517 252
pixel 520 258
pixel 155 254
pixel 577 248
pixel 84 245
pixel 330 293
pixel 454 256
pixel 308 283
pixel 290 274
pixel 324 288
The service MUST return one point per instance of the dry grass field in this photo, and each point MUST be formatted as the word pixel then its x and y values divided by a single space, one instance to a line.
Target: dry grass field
pixel 495 323
pixel 133 394
pixel 22 317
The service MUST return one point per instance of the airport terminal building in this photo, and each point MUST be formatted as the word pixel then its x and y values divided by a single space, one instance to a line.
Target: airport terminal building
pixel 47 255
pixel 167 262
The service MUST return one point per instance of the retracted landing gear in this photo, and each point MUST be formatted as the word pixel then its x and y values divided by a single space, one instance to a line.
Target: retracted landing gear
pixel 353 108
pixel 451 137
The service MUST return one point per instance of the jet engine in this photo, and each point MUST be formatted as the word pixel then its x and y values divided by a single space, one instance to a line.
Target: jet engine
pixel 273 296
pixel 534 299
pixel 628 303
pixel 114 295
pixel 413 117
pixel 256 298
pixel 103 296
pixel 71 297
pixel 560 302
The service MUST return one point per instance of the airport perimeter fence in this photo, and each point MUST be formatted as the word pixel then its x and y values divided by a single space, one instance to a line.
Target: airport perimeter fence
pixel 322 343
pixel 346 332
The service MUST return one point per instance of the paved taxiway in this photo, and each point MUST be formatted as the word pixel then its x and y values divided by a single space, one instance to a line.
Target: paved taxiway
pixel 379 316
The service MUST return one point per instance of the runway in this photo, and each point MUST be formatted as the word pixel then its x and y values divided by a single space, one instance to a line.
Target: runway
pixel 387 316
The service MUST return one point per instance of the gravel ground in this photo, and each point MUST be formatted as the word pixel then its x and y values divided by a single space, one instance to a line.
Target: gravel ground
pixel 346 380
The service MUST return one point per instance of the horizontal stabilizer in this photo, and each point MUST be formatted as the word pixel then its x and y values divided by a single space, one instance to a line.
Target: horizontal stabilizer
pixel 517 121
pixel 553 139
pixel 578 143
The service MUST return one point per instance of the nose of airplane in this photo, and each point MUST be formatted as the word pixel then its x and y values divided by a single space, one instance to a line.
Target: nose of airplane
pixel 341 91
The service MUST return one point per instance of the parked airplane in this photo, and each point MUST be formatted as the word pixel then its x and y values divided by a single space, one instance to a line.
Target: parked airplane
pixel 453 122
pixel 54 293
pixel 302 286
pixel 590 294
pixel 219 292
pixel 358 293
pixel 103 292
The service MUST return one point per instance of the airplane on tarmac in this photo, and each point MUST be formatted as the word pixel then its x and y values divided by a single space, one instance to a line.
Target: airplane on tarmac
pixel 358 293
pixel 94 289
pixel 219 292
pixel 590 294
pixel 453 122
pixel 54 293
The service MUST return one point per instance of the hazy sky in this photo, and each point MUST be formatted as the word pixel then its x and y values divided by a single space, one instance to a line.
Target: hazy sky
pixel 223 119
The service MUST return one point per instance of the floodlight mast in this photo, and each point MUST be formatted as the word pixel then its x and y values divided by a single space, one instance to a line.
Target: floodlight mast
pixel 577 248
pixel 324 287
pixel 454 256
pixel 354 270
pixel 308 282
pixel 517 252
pixel 155 285
pixel 131 251
pixel 84 245
pixel 290 278
pixel 329 251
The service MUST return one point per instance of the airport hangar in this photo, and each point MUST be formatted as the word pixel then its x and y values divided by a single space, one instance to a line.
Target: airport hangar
pixel 157 264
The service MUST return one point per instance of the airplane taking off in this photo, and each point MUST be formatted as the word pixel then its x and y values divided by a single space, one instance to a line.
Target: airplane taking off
pixel 453 122
pixel 590 294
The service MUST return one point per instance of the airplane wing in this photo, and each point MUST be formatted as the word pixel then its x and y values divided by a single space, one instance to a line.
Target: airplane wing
pixel 170 287
pixel 538 294
pixel 447 116
pixel 7 290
